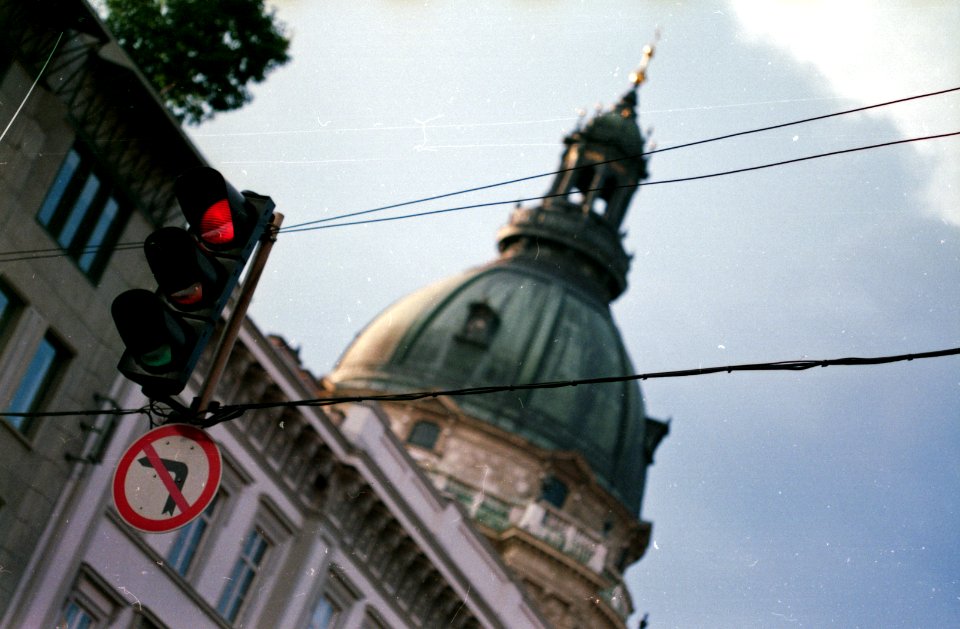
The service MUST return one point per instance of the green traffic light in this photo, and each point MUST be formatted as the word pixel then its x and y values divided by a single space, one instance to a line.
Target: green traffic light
pixel 156 339
pixel 159 357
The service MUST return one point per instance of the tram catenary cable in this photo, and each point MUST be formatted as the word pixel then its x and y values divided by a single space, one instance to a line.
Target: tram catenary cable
pixel 37 254
pixel 235 410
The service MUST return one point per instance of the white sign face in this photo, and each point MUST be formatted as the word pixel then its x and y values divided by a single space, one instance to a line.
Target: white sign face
pixel 167 478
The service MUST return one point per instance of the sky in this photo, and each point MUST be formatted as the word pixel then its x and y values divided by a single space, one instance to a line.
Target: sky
pixel 821 498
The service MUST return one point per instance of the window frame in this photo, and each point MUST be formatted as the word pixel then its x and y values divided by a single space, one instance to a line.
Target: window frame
pixel 553 489
pixel 416 438
pixel 143 618
pixel 93 596
pixel 480 326
pixel 75 606
pixel 84 209
pixel 230 604
pixel 42 387
pixel 335 612
pixel 340 593
pixel 208 518
pixel 9 312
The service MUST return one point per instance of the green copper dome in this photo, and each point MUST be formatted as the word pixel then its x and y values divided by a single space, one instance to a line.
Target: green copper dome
pixel 512 322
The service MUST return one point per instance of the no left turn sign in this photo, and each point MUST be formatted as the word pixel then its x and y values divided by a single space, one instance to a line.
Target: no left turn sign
pixel 166 478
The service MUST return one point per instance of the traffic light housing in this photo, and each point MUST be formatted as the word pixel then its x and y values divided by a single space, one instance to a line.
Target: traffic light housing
pixel 196 269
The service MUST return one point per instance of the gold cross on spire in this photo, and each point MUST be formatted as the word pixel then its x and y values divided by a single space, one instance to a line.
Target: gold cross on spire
pixel 639 75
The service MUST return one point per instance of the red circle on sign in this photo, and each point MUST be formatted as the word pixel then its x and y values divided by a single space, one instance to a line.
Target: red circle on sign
pixel 144 445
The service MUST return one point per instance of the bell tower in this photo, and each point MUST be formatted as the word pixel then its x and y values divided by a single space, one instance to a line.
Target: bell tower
pixel 578 223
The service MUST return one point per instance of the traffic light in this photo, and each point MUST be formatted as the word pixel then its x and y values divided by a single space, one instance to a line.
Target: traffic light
pixel 196 270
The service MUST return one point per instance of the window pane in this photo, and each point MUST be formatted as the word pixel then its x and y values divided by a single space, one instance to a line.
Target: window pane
pixel 554 491
pixel 323 614
pixel 242 577
pixel 259 551
pixel 67 170
pixel 108 216
pixel 78 211
pixel 35 381
pixel 75 617
pixel 424 434
pixel 8 305
pixel 82 213
pixel 228 600
pixel 184 548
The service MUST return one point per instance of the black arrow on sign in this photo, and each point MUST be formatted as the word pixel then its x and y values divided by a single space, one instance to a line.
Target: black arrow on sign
pixel 178 471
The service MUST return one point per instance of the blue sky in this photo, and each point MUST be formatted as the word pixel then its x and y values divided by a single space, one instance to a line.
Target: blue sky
pixel 820 498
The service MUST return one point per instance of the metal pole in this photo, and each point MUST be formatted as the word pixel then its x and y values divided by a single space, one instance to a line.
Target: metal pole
pixel 237 316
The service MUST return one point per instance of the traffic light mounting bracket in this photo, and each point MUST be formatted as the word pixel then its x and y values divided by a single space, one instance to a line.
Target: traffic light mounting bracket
pixel 202 402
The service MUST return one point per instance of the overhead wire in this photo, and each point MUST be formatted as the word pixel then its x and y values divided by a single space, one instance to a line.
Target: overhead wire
pixel 232 411
pixel 641 184
pixel 787 365
pixel 36 254
pixel 727 136
pixel 58 252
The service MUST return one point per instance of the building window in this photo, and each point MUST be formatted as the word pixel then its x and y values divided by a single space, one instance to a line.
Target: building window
pixel 296 467
pixel 9 305
pixel 554 491
pixel 190 537
pixel 143 619
pixel 334 603
pixel 372 620
pixel 283 438
pixel 91 603
pixel 324 614
pixel 36 382
pixel 424 434
pixel 82 213
pixel 481 325
pixel 75 616
pixel 243 575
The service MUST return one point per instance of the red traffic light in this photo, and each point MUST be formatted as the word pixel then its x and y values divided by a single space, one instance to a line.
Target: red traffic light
pixel 216 224
pixel 219 216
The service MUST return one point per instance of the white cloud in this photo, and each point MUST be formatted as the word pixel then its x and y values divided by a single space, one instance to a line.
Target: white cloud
pixel 871 51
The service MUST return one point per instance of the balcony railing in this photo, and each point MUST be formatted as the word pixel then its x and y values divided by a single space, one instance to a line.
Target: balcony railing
pixel 557 529
pixel 542 521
